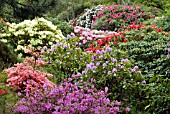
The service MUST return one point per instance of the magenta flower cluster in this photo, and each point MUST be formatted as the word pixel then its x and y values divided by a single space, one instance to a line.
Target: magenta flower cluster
pixel 68 98
pixel 119 16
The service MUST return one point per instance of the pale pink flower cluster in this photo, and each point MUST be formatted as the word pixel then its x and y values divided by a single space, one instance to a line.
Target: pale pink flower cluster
pixel 86 34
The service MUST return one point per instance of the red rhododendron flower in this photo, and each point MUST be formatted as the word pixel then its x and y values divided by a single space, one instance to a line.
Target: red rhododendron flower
pixel 94 50
pixel 115 43
pixel 134 26
pixel 117 39
pixel 89 49
pixel 125 41
pixel 1 92
pixel 100 43
pixel 159 30
pixel 99 49
pixel 91 45
pixel 139 26
pixel 120 33
pixel 123 37
pixel 6 91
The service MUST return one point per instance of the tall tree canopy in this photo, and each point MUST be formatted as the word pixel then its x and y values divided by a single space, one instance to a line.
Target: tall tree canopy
pixel 28 9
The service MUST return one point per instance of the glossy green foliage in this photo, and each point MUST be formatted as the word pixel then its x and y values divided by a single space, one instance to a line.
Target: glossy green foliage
pixel 150 52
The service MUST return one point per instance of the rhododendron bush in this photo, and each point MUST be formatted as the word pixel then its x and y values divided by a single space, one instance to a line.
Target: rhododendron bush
pixel 33 33
pixel 68 98
pixel 148 47
pixel 66 58
pixel 24 77
pixel 118 17
pixel 86 19
pixel 117 73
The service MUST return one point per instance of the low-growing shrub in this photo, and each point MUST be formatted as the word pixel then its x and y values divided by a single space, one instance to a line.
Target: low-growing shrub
pixel 126 82
pixel 151 3
pixel 157 90
pixel 69 98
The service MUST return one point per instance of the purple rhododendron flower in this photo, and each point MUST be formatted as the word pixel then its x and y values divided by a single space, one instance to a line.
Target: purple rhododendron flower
pixel 114 70
pixel 168 50
pixel 143 82
pixel 108 49
pixel 104 64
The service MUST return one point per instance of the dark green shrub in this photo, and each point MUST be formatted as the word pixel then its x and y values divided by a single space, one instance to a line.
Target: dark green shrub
pixel 78 9
pixel 7 57
pixel 72 12
pixel 151 3
pixel 158 91
pixel 3 25
pixel 65 28
pixel 65 16
pixel 103 2
pixel 167 10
